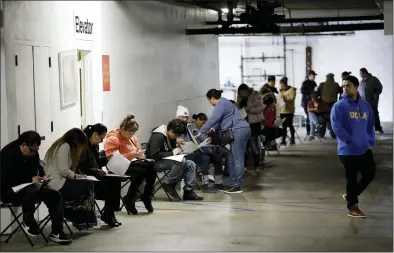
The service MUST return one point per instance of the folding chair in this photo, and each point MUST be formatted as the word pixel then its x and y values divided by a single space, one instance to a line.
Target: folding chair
pixel 127 182
pixel 42 224
pixel 16 219
pixel 296 127
pixel 160 182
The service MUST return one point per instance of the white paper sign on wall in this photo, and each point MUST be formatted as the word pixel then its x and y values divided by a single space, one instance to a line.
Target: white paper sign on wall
pixel 83 27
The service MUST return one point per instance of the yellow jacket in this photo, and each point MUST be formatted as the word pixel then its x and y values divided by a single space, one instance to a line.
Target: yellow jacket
pixel 288 96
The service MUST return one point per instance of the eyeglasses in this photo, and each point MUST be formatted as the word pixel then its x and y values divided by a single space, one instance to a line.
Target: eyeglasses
pixel 34 149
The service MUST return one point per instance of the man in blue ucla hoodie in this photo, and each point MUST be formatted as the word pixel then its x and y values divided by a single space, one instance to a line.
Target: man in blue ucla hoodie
pixel 352 120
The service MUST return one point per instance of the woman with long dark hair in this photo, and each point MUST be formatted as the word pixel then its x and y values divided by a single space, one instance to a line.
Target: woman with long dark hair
pixel 91 162
pixel 61 161
pixel 235 130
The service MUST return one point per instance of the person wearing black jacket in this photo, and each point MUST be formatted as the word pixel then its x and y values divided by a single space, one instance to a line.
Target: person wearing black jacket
pixel 307 87
pixel 90 163
pixel 270 85
pixel 20 164
pixel 162 144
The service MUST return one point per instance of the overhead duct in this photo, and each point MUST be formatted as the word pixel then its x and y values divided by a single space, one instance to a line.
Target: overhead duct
pixel 308 20
pixel 288 30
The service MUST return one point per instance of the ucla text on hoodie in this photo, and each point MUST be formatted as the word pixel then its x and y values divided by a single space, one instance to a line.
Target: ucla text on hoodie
pixel 353 123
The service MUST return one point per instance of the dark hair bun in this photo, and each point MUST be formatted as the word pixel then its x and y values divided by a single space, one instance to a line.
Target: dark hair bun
pixel 130 117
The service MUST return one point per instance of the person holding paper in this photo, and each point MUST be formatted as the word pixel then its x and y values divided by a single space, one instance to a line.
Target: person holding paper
pixel 126 143
pixel 90 163
pixel 61 161
pixel 234 129
pixel 20 164
pixel 161 145
pixel 209 155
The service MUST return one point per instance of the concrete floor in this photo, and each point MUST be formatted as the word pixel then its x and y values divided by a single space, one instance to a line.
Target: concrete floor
pixel 295 204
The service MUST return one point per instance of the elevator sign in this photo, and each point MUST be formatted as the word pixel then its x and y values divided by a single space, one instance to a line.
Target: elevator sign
pixel 83 27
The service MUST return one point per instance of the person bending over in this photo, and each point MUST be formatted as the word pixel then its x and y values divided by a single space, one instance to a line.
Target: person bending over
pixel 61 161
pixel 352 120
pixel 162 144
pixel 20 164
pixel 90 163
pixel 125 141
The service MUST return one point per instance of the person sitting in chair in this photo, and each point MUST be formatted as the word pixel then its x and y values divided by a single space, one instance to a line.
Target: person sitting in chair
pixel 315 116
pixel 90 163
pixel 20 164
pixel 125 141
pixel 162 144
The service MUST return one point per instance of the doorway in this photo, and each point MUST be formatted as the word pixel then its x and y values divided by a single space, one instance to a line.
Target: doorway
pixel 84 68
pixel 32 84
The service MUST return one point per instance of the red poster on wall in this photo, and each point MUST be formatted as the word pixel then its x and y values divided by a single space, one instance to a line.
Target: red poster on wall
pixel 106 74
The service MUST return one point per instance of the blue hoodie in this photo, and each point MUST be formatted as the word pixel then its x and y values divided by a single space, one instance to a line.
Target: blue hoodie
pixel 227 115
pixel 353 123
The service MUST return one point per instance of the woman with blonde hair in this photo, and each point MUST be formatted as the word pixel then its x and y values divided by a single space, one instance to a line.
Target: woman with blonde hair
pixel 126 143
pixel 61 161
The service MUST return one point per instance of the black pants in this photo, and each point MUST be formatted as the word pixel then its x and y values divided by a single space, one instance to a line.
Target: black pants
pixel 364 164
pixel 254 144
pixel 308 126
pixel 108 189
pixel 138 175
pixel 288 124
pixel 31 195
pixel 204 160
pixel 378 127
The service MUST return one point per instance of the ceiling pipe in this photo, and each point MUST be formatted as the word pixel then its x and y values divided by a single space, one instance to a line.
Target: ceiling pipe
pixel 288 30
pixel 308 20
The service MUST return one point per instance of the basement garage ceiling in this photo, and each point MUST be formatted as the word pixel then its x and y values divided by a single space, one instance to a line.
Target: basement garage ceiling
pixel 298 4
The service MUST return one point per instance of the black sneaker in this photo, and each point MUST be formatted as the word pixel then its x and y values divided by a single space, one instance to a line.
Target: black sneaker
pixel 220 187
pixel 234 190
pixel 32 230
pixel 170 189
pixel 60 238
pixel 191 195
pixel 208 188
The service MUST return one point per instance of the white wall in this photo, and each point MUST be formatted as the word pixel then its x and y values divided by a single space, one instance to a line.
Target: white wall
pixel 49 23
pixel 369 49
pixel 153 65
pixel 4 125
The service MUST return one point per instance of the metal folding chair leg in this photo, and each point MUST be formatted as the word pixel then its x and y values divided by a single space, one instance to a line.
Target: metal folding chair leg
pixel 16 219
pixel 44 222
pixel 160 183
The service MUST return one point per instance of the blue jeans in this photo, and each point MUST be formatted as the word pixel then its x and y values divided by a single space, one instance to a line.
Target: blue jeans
pixel 236 158
pixel 313 122
pixel 186 170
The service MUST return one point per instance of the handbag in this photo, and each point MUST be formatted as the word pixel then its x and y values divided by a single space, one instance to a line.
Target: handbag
pixel 227 136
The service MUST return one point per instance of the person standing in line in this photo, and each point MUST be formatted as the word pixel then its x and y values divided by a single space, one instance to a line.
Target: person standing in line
pixel 352 121
pixel 288 93
pixel 307 87
pixel 254 109
pixel 227 117
pixel 370 90
pixel 270 85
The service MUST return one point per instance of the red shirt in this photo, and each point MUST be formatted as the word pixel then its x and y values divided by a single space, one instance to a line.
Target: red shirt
pixel 269 116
